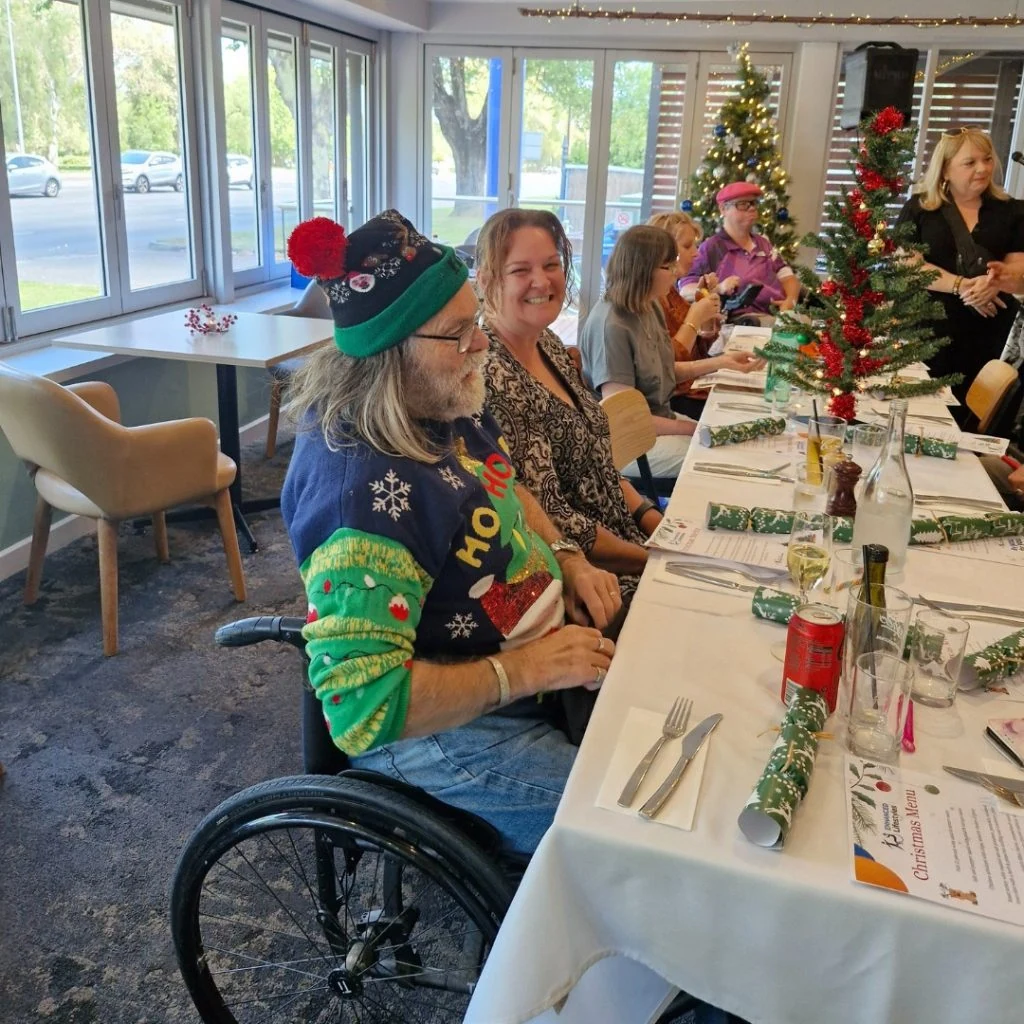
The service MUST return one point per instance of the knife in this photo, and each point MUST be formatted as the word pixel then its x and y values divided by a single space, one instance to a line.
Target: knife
pixel 948 499
pixel 964 608
pixel 693 741
pixel 982 778
pixel 740 475
pixel 757 573
pixel 681 570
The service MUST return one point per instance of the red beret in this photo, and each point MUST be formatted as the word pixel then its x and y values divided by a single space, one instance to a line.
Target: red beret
pixel 738 190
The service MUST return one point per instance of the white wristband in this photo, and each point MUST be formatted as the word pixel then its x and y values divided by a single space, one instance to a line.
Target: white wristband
pixel 504 691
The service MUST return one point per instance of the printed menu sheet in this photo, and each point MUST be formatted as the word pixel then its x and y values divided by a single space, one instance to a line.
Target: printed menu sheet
pixel 687 538
pixel 1005 550
pixel 940 839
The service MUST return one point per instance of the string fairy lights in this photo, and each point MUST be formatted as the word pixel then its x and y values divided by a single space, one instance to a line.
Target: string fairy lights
pixel 600 13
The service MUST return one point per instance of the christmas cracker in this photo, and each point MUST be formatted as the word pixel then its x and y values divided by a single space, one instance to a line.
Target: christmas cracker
pixel 767 816
pixel 916 444
pixel 735 433
pixel 998 661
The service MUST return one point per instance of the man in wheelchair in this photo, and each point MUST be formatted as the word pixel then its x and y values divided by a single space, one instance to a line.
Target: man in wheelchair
pixel 438 589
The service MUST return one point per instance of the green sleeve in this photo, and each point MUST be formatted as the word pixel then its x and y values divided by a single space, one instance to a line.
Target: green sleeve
pixel 365 596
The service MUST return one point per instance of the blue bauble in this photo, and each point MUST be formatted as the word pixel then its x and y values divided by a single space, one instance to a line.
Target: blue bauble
pixel 782 213
pixel 686 206
pixel 720 131
pixel 752 162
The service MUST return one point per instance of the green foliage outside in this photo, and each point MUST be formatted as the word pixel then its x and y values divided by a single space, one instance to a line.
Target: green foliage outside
pixel 38 294
pixel 744 149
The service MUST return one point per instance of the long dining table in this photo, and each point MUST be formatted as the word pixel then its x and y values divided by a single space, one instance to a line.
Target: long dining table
pixel 615 912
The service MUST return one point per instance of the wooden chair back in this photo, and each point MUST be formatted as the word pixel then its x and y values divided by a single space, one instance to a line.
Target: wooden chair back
pixel 989 391
pixel 631 425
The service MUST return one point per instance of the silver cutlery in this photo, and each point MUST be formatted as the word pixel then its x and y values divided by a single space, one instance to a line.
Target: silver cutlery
pixel 691 745
pixel 1011 790
pixel 945 500
pixel 971 611
pixel 678 570
pixel 674 727
pixel 737 407
pixel 700 569
pixel 743 472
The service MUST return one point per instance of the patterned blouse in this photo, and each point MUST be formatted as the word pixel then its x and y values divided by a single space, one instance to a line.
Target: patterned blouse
pixel 562 454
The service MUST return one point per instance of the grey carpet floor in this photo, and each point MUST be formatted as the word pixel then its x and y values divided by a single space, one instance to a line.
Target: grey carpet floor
pixel 111 762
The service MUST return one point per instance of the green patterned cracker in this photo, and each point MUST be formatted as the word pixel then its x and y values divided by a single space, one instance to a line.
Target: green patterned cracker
pixel 727 517
pixel 957 528
pixel 914 444
pixel 736 433
pixel 998 661
pixel 771 520
pixel 1006 524
pixel 842 529
pixel 925 529
pixel 774 605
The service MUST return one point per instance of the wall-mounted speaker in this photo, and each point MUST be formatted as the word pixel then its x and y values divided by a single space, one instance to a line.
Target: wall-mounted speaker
pixel 878 75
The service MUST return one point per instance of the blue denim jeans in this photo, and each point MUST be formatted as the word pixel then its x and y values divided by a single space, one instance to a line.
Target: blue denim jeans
pixel 509 767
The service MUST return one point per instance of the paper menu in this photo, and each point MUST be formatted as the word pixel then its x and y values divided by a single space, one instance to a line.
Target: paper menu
pixel 684 537
pixel 1005 550
pixel 983 444
pixel 936 838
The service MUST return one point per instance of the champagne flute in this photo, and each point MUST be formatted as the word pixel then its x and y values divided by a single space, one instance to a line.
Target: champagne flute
pixel 807 557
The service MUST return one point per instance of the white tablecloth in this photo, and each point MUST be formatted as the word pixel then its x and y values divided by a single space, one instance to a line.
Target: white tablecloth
pixel 634 908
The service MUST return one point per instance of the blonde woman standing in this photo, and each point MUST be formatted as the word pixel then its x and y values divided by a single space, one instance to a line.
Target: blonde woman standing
pixel 965 221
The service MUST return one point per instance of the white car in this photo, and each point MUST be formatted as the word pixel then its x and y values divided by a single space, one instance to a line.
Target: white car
pixel 142 170
pixel 239 171
pixel 31 175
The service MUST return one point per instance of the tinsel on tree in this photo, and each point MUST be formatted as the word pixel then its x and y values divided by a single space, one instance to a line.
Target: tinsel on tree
pixel 871 314
pixel 744 149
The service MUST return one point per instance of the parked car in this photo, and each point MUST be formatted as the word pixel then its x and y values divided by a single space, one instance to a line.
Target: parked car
pixel 30 175
pixel 143 169
pixel 239 170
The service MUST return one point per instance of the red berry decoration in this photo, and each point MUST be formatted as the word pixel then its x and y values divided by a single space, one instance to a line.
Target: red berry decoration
pixel 317 248
pixel 882 786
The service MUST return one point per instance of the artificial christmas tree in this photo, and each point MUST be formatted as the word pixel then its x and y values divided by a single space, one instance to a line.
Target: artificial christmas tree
pixel 744 149
pixel 871 314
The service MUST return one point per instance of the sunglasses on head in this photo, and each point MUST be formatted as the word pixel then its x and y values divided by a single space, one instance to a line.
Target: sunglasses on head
pixel 955 133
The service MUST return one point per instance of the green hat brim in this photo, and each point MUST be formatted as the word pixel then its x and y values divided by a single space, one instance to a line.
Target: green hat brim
pixel 424 298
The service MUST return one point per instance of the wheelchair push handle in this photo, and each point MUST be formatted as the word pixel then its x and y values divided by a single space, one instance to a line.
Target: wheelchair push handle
pixel 244 632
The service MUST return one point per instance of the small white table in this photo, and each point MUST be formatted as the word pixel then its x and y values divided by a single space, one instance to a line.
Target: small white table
pixel 255 339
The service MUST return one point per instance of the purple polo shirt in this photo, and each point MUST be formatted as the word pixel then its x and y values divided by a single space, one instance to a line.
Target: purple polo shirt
pixel 763 265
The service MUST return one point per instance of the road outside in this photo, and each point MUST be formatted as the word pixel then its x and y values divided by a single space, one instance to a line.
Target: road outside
pixel 58 249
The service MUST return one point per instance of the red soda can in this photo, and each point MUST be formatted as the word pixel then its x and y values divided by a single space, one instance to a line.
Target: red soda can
pixel 814 652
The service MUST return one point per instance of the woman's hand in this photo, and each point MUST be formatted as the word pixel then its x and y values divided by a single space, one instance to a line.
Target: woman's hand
pixel 729 285
pixel 591 594
pixel 709 281
pixel 571 656
pixel 705 309
pixel 744 362
pixel 981 293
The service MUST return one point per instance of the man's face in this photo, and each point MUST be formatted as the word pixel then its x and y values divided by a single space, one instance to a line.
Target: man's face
pixel 442 383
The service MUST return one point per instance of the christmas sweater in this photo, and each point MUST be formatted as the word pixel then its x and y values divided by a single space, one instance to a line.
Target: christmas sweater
pixel 404 559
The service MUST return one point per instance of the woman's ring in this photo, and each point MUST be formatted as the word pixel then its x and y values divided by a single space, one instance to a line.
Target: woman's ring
pixel 599 677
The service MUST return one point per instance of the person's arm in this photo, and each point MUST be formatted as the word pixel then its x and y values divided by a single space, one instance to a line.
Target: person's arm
pixel 365 594
pixel 591 594
pixel 742 362
pixel 645 513
pixel 791 289
pixel 700 267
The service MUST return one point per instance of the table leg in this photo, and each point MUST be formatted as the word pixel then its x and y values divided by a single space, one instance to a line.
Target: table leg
pixel 231 442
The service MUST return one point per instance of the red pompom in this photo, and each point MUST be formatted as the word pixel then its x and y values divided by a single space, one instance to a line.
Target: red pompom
pixel 886 121
pixel 829 288
pixel 843 406
pixel 317 248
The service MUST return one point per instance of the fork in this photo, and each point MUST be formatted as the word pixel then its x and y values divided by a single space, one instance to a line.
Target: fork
pixel 674 727
pixel 1003 793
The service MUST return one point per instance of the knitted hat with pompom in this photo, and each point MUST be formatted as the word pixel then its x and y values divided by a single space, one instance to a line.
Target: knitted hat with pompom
pixel 383 281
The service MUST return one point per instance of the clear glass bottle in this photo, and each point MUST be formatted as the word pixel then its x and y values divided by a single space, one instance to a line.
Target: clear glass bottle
pixel 886 507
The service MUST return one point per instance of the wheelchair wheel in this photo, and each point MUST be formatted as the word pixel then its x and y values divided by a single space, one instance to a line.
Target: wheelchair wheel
pixel 326 899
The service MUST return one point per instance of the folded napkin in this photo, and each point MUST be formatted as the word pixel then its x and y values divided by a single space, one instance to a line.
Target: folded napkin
pixel 734 433
pixel 639 731
pixel 767 816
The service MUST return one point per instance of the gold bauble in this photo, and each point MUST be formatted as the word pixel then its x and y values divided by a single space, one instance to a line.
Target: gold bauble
pixel 880 227
pixel 875 246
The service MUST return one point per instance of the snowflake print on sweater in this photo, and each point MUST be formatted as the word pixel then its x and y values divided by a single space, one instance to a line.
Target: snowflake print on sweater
pixel 404 560
pixel 392 495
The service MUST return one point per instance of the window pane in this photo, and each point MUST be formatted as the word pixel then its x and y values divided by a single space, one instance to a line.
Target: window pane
pixel 554 154
pixel 45 102
pixel 464 146
pixel 240 131
pixel 324 93
pixel 358 140
pixel 284 140
pixel 147 76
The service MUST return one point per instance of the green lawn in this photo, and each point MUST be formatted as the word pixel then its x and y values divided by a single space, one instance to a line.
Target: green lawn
pixel 37 294
pixel 452 229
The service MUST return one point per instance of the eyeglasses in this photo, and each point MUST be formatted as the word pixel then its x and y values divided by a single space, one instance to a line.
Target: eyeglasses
pixel 464 340
pixel 744 204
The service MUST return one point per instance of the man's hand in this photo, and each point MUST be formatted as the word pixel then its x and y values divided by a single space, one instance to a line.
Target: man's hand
pixel 591 595
pixel 729 285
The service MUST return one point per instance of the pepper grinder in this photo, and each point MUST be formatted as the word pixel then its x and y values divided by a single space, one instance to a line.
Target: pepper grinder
pixel 841 499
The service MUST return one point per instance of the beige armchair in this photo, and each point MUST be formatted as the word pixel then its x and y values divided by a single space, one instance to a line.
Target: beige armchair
pixel 312 303
pixel 84 461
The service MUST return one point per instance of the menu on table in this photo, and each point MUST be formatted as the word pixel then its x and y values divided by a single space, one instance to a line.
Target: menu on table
pixel 683 537
pixel 1005 550
pixel 939 839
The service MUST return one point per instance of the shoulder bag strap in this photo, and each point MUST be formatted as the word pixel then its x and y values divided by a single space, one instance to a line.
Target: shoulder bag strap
pixel 971 257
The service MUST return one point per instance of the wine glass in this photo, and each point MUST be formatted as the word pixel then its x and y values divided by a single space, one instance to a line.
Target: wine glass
pixel 807 557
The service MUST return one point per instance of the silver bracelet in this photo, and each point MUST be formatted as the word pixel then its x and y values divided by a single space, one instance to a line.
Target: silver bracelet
pixel 504 690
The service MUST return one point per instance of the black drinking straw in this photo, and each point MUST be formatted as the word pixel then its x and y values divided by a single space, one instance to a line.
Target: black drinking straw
pixel 817 434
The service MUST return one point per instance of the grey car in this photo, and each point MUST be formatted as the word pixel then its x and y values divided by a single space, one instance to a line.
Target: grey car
pixel 142 170
pixel 31 175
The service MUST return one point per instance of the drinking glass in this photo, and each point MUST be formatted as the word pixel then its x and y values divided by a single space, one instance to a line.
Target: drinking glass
pixel 808 490
pixel 807 556
pixel 879 701
pixel 937 645
pixel 845 573
pixel 867 442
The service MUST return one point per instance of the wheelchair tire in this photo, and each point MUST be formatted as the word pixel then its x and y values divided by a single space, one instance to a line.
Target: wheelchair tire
pixel 322 898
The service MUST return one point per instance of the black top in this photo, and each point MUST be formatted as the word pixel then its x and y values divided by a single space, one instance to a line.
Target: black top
pixel 974 339
pixel 1000 229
